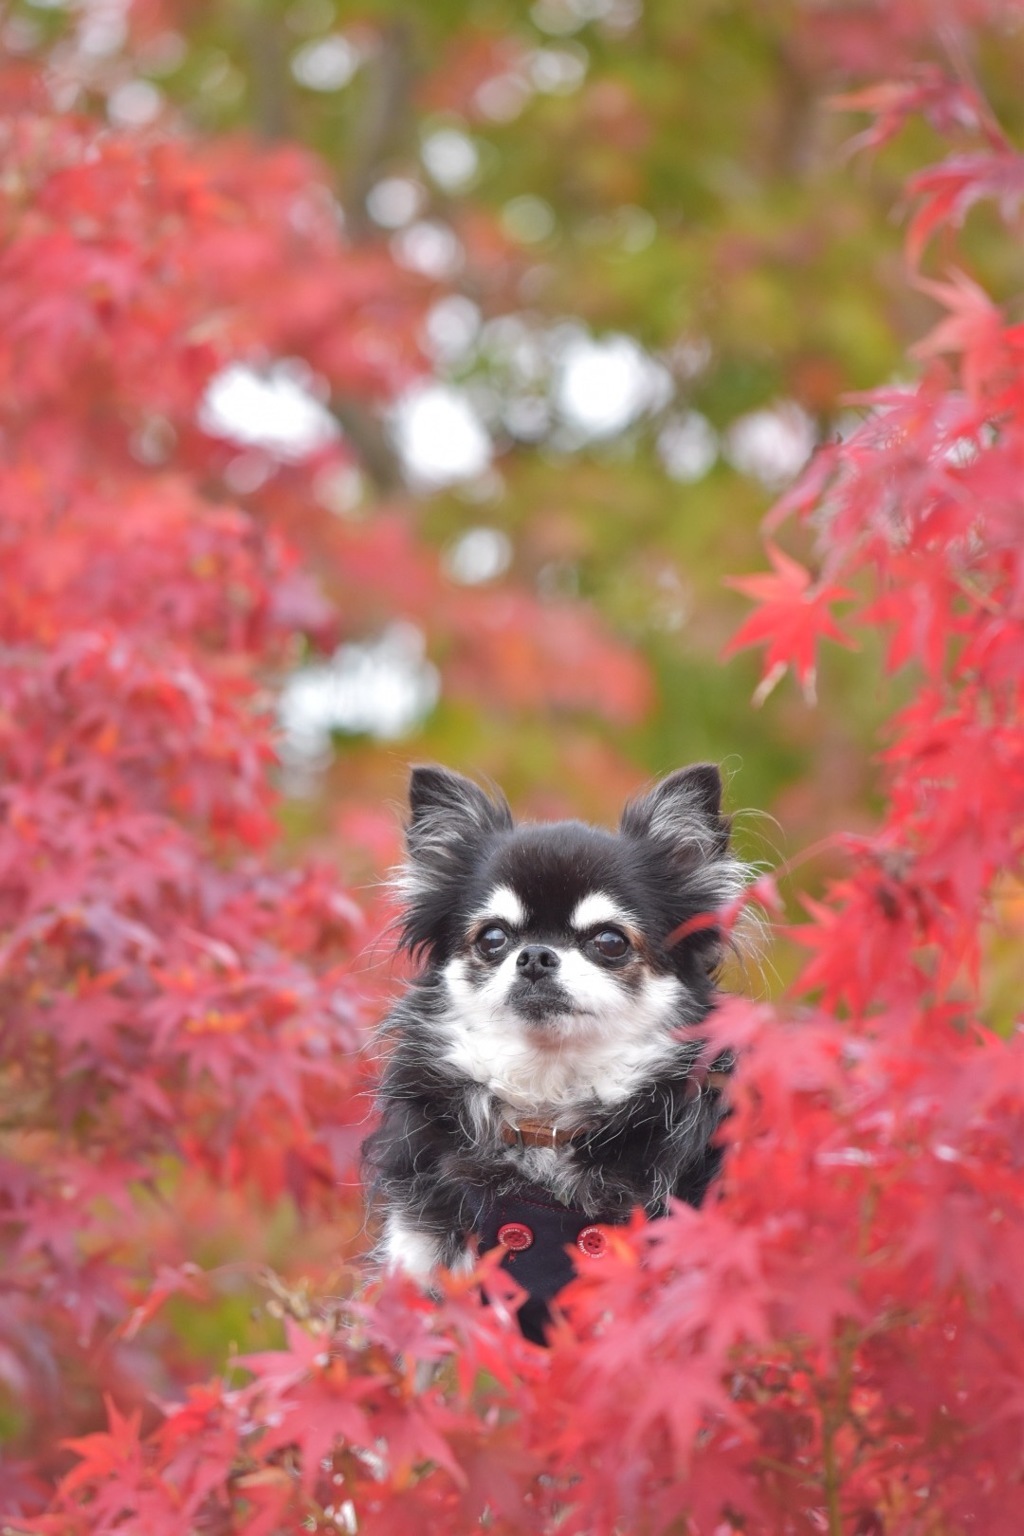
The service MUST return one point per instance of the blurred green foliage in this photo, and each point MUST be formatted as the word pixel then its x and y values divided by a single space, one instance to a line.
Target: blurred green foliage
pixel 671 173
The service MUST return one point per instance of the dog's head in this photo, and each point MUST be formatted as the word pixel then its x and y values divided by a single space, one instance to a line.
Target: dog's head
pixel 558 934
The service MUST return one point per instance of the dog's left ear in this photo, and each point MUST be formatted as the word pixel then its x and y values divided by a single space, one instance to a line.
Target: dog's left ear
pixel 684 811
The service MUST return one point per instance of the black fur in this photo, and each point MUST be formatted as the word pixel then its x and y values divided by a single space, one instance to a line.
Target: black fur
pixel 437 1157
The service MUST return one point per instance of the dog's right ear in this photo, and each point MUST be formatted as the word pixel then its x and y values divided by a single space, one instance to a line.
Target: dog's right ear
pixel 451 816
pixel 683 811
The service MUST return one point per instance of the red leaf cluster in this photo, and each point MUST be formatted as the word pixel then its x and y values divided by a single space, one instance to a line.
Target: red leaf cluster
pixel 156 1016
pixel 181 1025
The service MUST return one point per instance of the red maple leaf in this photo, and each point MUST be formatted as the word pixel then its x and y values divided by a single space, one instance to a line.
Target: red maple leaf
pixel 793 616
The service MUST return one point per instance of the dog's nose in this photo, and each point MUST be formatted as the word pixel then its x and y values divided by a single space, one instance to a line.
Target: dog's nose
pixel 535 961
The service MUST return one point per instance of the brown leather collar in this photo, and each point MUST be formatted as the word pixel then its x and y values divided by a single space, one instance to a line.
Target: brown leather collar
pixel 539 1133
pixel 531 1132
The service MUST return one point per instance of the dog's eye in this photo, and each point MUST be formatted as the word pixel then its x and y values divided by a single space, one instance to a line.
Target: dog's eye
pixel 492 941
pixel 610 944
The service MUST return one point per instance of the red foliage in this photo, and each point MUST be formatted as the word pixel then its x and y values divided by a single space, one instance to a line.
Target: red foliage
pixel 180 1023
pixel 154 1013
pixel 836 1343
pixel 793 617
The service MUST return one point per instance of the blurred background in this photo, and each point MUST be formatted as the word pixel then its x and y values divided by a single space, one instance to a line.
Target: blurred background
pixel 623 270
pixel 504 324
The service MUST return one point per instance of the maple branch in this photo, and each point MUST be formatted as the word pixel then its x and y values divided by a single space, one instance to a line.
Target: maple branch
pixel 269 75
pixel 832 1416
pixel 783 1468
pixel 798 107
pixel 384 124
pixel 831 1483
pixel 951 40
pixel 368 436
pixel 381 130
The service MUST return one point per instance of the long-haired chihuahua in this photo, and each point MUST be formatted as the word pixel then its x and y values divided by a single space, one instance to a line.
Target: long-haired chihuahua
pixel 547 1073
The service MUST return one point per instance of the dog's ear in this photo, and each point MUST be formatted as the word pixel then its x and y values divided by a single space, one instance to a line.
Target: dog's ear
pixel 683 811
pixel 681 817
pixel 450 818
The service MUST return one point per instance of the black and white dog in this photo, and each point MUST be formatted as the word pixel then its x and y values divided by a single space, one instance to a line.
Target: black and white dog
pixel 546 1074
